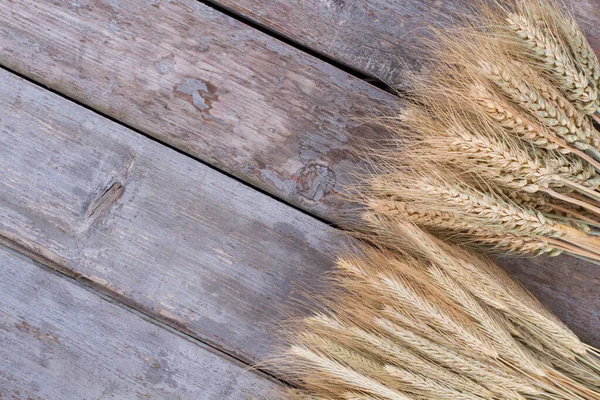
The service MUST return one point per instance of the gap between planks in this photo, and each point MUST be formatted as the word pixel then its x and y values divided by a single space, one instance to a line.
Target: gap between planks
pixel 72 329
pixel 96 289
pixel 174 148
pixel 172 239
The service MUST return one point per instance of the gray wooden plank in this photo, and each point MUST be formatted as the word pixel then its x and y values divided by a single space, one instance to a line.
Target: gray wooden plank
pixel 60 341
pixel 376 37
pixel 568 286
pixel 150 226
pixel 202 82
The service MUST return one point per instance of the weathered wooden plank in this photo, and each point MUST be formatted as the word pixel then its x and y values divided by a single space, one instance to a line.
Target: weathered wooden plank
pixel 566 285
pixel 150 226
pixel 376 37
pixel 379 38
pixel 60 341
pixel 202 82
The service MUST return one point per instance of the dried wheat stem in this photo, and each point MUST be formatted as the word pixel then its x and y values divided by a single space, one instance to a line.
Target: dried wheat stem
pixel 573 250
pixel 580 239
pixel 574 214
pixel 584 190
pixel 571 200
pixel 569 384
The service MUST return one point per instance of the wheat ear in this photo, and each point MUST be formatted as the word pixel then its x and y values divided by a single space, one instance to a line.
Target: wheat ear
pixel 555 59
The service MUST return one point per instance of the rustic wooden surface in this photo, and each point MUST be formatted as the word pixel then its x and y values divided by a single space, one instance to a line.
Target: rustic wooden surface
pixel 159 231
pixel 376 37
pixel 202 82
pixel 59 341
pixel 177 71
pixel 151 227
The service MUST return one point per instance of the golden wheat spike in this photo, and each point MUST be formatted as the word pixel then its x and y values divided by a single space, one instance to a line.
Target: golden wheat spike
pixel 404 357
pixel 564 123
pixel 342 375
pixel 568 35
pixel 348 354
pixel 555 59
pixel 424 386
pixel 505 344
pixel 491 375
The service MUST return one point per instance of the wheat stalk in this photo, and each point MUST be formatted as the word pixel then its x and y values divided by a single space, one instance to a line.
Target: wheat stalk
pixel 341 374
pixel 565 123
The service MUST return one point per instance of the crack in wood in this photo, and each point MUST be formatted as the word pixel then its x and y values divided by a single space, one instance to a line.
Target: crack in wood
pixel 105 201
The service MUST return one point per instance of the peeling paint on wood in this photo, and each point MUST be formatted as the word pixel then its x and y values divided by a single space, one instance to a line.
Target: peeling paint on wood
pixel 60 341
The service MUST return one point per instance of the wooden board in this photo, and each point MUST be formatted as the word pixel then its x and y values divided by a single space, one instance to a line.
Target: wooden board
pixel 60 341
pixel 202 82
pixel 376 37
pixel 149 226
pixel 567 286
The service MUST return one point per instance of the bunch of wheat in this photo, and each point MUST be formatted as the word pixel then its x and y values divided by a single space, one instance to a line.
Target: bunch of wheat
pixel 497 144
pixel 496 147
pixel 431 321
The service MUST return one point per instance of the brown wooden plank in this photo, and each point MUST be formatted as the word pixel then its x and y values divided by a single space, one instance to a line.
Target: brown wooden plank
pixel 154 228
pixel 202 82
pixel 376 37
pixel 60 341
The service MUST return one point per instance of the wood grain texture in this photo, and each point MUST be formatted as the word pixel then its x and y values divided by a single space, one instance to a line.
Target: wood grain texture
pixel 60 341
pixel 151 227
pixel 379 38
pixel 202 82
pixel 568 286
